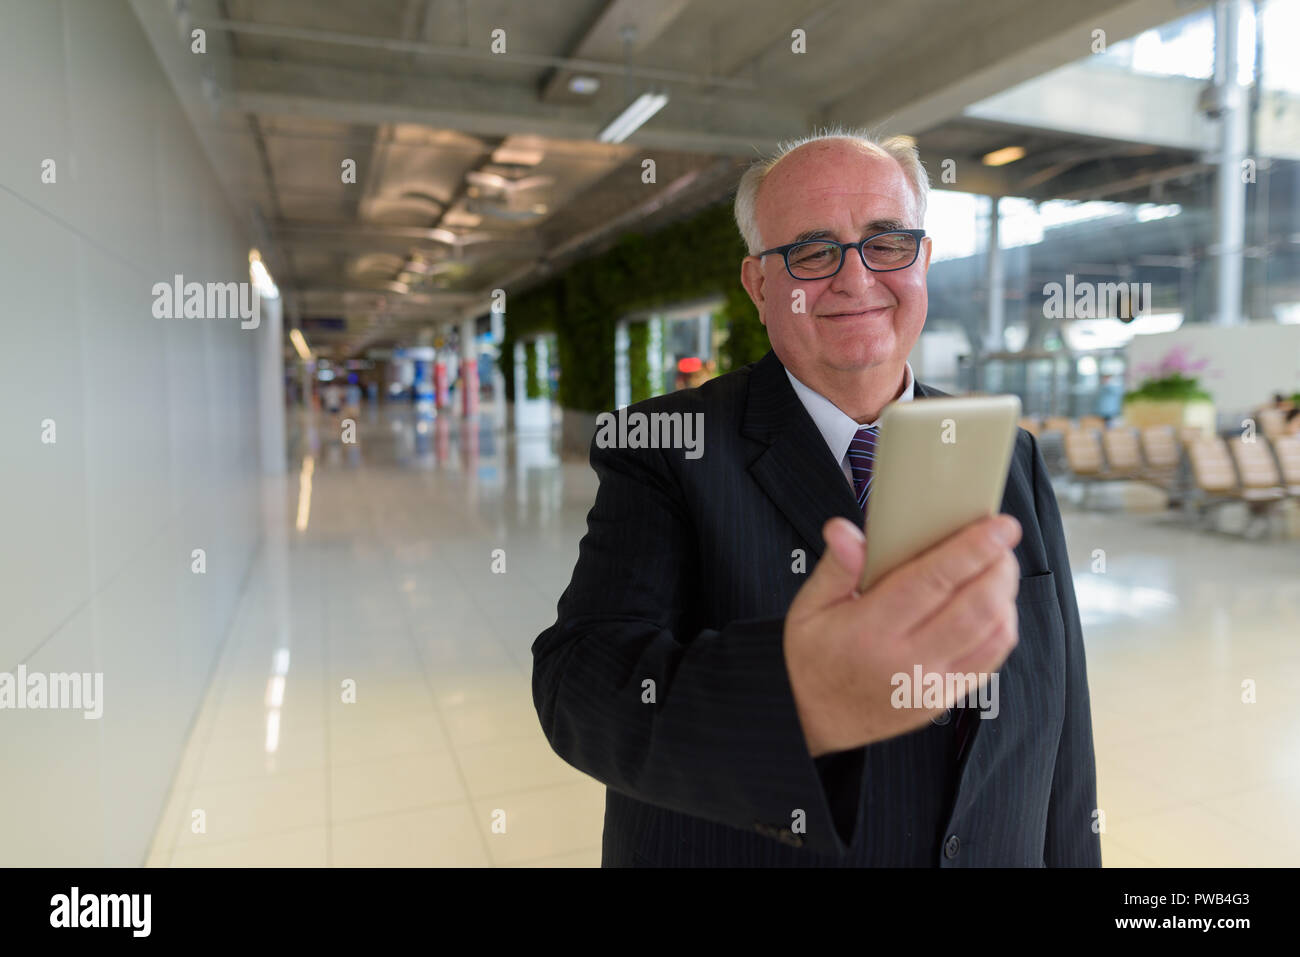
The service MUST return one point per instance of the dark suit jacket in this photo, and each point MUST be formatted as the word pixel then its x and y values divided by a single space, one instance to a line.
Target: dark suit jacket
pixel 684 577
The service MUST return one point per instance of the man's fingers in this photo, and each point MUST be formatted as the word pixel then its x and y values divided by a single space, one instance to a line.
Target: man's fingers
pixel 980 608
pixel 837 573
pixel 913 592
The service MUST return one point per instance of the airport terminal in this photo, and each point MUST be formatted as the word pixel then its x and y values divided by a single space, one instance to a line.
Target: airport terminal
pixel 333 539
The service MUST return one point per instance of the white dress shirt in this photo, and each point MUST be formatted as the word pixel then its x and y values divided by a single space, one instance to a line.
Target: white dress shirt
pixel 837 428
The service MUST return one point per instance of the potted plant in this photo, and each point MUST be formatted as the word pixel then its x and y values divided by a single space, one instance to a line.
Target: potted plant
pixel 1171 394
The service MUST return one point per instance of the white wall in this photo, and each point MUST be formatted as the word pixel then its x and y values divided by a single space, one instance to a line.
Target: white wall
pixel 157 441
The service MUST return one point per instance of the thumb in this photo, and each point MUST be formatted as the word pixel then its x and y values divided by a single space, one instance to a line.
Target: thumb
pixel 837 573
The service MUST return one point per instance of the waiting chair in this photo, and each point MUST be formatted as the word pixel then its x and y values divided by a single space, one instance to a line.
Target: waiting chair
pixel 1085 462
pixel 1162 455
pixel 1216 477
pixel 1270 422
pixel 1286 449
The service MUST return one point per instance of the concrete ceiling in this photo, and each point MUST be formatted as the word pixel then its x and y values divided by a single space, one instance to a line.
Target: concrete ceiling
pixel 478 170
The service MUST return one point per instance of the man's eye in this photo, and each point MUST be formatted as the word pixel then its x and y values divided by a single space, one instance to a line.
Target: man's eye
pixel 820 254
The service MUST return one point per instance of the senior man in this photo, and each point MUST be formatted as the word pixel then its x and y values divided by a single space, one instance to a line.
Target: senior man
pixel 740 709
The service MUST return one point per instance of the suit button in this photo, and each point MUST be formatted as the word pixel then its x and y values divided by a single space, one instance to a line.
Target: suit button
pixel 951 847
pixel 942 718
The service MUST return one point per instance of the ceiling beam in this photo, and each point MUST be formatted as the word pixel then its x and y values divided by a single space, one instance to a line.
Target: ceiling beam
pixel 943 77
pixel 604 40
pixel 480 53
pixel 722 123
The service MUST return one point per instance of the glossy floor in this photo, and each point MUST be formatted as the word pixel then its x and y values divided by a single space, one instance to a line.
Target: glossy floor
pixel 410 572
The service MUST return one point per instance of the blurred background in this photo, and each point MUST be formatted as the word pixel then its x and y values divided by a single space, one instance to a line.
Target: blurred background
pixel 308 547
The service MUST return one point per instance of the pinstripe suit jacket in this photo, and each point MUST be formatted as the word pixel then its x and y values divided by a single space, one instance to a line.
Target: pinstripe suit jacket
pixel 683 579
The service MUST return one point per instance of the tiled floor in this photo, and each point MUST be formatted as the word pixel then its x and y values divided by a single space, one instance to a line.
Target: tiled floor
pixel 373 704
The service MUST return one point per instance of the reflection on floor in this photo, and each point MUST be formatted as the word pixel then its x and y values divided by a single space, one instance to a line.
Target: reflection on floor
pixel 373 704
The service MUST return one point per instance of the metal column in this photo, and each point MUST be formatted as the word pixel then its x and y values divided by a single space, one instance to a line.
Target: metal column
pixel 995 281
pixel 1234 118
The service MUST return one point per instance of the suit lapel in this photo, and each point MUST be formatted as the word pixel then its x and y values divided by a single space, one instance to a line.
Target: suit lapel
pixel 796 470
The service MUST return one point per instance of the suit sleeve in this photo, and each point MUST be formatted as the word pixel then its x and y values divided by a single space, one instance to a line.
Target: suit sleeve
pixel 630 691
pixel 1070 841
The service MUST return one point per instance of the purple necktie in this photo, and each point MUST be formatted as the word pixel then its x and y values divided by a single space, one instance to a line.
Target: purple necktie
pixel 862 455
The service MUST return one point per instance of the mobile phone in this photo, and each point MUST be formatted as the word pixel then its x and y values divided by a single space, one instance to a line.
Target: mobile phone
pixel 940 464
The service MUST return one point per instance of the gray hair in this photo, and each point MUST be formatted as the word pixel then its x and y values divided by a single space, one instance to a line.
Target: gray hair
pixel 902 149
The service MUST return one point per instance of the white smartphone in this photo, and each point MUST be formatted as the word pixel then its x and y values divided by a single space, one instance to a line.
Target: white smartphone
pixel 940 464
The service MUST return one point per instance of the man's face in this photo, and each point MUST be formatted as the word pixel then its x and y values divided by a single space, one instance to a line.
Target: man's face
pixel 856 319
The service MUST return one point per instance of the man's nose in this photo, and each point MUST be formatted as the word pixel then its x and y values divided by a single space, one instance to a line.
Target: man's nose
pixel 854 273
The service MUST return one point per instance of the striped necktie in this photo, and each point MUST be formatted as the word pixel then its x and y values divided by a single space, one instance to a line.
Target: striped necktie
pixel 862 455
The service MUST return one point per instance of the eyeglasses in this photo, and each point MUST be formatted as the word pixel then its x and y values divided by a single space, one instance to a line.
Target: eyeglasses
pixel 821 259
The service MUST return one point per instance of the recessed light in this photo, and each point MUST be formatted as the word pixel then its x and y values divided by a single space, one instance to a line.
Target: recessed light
pixel 583 85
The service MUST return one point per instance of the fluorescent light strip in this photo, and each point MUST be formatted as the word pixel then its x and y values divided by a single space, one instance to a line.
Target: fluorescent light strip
pixel 1008 154
pixel 634 117
pixel 300 344
pixel 304 492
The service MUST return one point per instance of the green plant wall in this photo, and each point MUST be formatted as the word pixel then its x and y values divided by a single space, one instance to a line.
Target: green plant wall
pixel 535 385
pixel 746 339
pixel 692 259
pixel 638 360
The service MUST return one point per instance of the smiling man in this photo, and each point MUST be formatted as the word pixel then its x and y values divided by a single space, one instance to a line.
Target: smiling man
pixel 738 705
pixel 846 337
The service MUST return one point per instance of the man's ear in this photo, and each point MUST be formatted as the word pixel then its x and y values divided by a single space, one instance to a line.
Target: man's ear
pixel 751 277
pixel 927 247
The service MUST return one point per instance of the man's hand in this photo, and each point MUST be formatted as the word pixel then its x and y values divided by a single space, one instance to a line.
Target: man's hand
pixel 950 610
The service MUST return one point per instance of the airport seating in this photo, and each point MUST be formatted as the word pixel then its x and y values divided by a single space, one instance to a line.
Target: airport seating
pixel 1123 457
pixel 1236 471
pixel 1086 461
pixel 1271 422
pixel 1163 457
pixel 1286 449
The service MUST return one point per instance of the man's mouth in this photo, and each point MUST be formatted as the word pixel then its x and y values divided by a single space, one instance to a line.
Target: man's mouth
pixel 871 312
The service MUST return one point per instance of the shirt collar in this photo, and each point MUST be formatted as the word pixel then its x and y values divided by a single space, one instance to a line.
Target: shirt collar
pixel 836 427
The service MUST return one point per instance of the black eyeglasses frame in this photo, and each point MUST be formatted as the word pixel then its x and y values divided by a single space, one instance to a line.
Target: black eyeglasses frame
pixel 917 234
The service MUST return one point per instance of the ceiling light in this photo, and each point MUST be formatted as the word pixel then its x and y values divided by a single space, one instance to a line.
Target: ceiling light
pixel 262 280
pixel 583 85
pixel 634 117
pixel 300 344
pixel 1008 154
